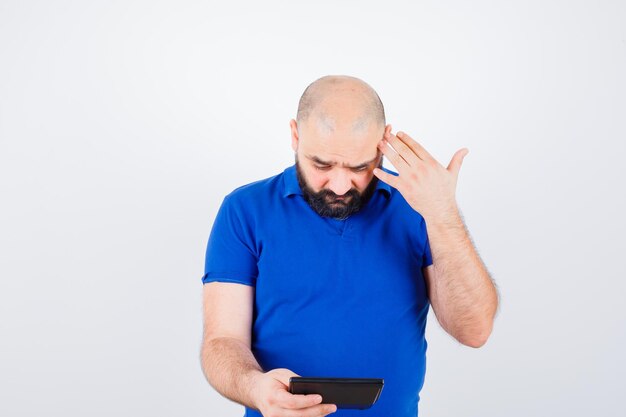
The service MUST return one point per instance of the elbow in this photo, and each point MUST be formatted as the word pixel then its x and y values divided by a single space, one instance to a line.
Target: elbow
pixel 475 343
pixel 478 335
pixel 477 338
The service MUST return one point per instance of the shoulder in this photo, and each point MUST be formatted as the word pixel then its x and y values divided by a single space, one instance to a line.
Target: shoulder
pixel 255 194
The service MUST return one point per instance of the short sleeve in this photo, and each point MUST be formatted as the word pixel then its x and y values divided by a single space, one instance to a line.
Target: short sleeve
pixel 427 258
pixel 230 255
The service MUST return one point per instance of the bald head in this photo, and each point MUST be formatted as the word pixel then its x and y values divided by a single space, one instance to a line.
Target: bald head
pixel 336 101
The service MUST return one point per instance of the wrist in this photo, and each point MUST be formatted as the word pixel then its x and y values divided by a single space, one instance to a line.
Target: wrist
pixel 251 386
pixel 449 217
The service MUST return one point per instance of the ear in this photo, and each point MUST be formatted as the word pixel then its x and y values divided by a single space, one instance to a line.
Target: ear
pixel 294 134
pixel 387 129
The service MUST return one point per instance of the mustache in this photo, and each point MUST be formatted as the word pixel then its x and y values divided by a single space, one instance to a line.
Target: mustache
pixel 352 193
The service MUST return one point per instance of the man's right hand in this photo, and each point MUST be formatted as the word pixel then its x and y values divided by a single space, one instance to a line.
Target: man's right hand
pixel 271 396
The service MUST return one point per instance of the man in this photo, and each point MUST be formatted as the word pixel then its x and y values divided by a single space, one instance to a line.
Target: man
pixel 327 269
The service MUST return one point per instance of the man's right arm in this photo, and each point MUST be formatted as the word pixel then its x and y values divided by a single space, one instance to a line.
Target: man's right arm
pixel 227 361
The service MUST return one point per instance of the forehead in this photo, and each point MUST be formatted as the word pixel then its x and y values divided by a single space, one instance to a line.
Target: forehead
pixel 350 143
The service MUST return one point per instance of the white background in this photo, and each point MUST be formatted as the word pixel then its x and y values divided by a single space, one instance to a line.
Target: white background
pixel 124 123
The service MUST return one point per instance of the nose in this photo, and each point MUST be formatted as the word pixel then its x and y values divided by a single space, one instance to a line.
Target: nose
pixel 340 182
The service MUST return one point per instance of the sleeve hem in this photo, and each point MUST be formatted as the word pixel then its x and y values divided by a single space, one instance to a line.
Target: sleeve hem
pixel 227 277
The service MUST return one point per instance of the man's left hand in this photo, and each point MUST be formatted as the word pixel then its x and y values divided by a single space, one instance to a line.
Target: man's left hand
pixel 423 182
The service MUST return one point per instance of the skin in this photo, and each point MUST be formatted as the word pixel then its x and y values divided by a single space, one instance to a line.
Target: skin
pixel 459 287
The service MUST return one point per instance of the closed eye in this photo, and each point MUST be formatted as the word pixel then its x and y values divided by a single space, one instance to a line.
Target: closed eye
pixel 322 167
pixel 327 167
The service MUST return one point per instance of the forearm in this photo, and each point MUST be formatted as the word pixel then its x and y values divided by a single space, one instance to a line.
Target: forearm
pixel 463 292
pixel 230 367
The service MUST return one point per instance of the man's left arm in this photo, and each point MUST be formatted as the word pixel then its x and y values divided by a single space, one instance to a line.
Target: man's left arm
pixel 460 289
pixel 459 286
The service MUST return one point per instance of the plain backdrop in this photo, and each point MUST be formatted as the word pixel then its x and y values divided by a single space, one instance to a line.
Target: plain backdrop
pixel 123 124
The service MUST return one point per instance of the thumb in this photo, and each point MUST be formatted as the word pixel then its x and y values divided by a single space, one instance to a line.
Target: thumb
pixel 283 375
pixel 455 164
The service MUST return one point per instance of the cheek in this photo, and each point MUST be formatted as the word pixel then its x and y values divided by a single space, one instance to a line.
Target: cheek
pixel 316 180
pixel 363 181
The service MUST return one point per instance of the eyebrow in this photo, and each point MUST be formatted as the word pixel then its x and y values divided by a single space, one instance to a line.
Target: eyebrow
pixel 362 165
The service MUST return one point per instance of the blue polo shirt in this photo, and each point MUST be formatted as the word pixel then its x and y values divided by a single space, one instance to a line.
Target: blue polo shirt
pixel 333 298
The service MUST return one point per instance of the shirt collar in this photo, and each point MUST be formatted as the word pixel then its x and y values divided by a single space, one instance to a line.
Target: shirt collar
pixel 291 186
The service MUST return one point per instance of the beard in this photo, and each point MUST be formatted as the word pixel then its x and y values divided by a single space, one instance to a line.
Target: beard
pixel 328 204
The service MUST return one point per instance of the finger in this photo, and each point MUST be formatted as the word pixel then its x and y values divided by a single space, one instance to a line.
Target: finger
pixel 403 150
pixel 297 401
pixel 392 155
pixel 317 411
pixel 417 148
pixel 457 160
pixel 386 177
